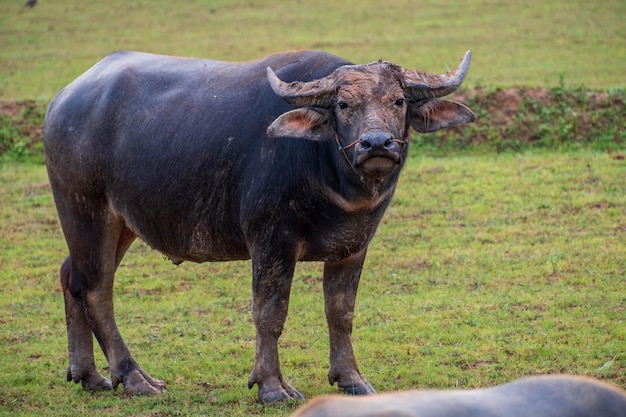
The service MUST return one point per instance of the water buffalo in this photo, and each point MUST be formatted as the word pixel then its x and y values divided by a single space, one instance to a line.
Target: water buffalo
pixel 293 157
pixel 539 396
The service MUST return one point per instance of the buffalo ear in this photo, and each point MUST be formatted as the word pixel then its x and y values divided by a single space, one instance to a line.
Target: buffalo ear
pixel 437 113
pixel 306 122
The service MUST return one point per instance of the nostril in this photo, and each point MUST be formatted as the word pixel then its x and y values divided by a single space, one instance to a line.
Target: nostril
pixel 366 144
pixel 388 144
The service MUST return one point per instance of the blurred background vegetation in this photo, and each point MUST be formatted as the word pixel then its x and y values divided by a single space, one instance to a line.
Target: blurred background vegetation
pixel 515 43
pixel 544 74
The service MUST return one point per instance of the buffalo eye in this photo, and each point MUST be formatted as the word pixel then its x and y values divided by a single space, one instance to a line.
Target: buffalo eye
pixel 342 105
pixel 399 102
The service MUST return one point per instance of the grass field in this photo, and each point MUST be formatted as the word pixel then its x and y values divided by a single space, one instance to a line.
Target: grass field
pixel 486 268
pixel 514 43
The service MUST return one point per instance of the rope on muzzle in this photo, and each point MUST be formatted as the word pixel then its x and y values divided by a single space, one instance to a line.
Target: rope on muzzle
pixel 342 148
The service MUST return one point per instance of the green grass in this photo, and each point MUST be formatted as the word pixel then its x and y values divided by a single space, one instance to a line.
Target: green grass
pixel 485 268
pixel 514 43
pixel 488 265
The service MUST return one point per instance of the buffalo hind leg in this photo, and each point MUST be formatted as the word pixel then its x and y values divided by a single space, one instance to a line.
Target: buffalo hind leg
pixel 341 281
pixel 96 248
pixel 82 366
pixel 271 284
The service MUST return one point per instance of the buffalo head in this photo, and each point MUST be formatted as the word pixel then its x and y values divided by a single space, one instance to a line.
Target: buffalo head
pixel 367 110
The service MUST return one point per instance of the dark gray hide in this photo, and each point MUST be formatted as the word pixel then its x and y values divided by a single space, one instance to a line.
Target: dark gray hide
pixel 176 151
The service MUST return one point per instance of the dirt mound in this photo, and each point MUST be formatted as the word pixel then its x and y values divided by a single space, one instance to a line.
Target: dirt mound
pixel 21 123
pixel 557 117
pixel 506 119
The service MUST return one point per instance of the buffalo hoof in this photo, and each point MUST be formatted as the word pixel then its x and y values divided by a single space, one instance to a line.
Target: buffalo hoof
pixel 275 391
pixel 138 382
pixel 90 380
pixel 358 389
pixel 356 386
pixel 288 393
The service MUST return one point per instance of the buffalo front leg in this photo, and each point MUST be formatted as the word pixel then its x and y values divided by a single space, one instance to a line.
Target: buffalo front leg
pixel 341 281
pixel 271 285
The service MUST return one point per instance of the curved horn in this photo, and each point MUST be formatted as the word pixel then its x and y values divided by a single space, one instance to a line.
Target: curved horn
pixel 318 93
pixel 421 85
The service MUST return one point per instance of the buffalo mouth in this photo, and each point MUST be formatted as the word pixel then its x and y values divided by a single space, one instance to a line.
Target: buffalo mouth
pixel 378 165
